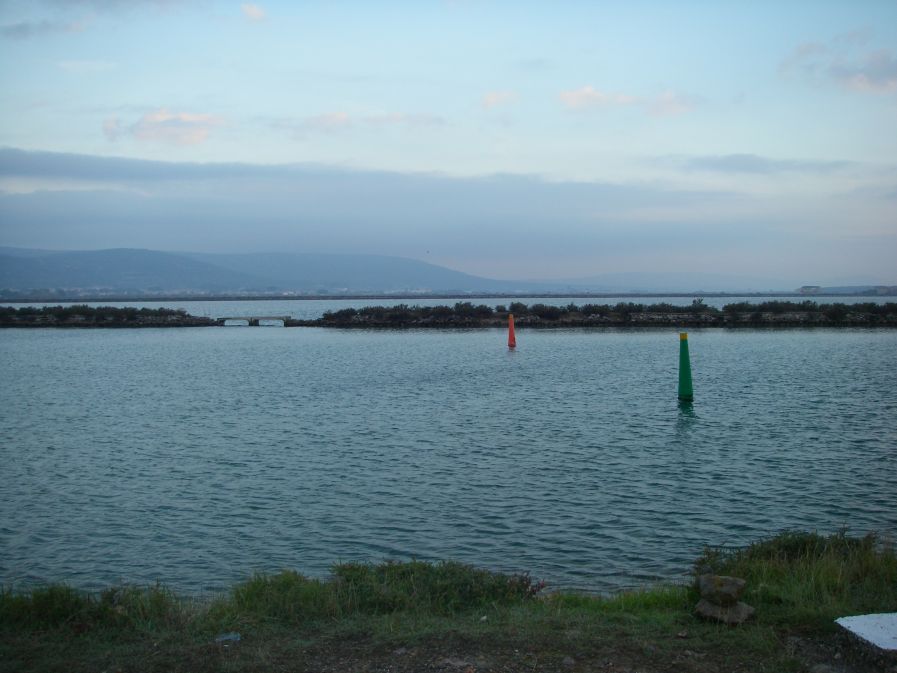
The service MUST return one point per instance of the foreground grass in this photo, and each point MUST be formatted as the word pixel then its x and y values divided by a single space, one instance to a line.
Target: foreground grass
pixel 416 616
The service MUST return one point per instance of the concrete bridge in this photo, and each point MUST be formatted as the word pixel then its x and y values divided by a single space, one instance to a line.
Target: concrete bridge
pixel 255 320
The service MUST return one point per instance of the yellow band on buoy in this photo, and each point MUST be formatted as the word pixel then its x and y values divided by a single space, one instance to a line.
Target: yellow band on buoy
pixel 683 336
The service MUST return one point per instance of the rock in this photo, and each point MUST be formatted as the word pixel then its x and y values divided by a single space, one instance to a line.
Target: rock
pixel 228 638
pixel 682 634
pixel 732 614
pixel 822 668
pixel 568 662
pixel 455 662
pixel 721 589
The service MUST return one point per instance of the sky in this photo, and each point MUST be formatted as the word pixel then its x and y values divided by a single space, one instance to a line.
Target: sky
pixel 504 139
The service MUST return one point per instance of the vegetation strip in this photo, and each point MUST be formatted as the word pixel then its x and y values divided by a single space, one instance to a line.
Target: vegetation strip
pixel 81 315
pixel 623 314
pixel 466 315
pixel 448 616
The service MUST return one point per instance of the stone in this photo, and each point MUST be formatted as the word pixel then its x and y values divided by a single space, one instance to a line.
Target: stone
pixel 568 662
pixel 727 614
pixel 721 589
pixel 455 662
pixel 232 637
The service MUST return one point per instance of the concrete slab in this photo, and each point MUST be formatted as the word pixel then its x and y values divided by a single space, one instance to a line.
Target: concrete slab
pixel 879 630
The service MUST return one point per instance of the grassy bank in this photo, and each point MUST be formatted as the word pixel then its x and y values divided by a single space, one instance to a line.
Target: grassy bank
pixel 448 616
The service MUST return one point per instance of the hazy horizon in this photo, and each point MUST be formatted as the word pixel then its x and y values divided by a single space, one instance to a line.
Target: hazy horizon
pixel 344 270
pixel 507 141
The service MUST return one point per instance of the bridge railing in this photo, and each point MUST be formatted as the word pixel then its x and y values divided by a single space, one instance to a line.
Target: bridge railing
pixel 254 320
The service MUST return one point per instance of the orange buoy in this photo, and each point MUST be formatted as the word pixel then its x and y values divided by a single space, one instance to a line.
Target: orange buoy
pixel 512 340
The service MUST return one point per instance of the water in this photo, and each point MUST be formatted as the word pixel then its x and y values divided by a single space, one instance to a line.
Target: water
pixel 196 456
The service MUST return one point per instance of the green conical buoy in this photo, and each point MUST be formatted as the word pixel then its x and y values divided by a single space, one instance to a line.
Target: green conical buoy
pixel 686 393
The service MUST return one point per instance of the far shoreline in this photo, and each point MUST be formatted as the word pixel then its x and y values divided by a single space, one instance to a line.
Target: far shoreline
pixel 466 316
pixel 411 296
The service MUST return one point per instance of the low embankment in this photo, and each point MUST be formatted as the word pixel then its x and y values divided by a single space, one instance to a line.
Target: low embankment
pixel 81 315
pixel 418 616
pixel 466 315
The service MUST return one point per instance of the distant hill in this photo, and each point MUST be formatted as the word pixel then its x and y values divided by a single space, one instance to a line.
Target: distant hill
pixel 133 271
pixel 354 273
pixel 868 290
pixel 29 272
pixel 116 270
pixel 693 282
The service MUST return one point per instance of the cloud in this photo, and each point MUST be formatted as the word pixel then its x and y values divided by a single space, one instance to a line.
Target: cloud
pixel 857 36
pixel 402 119
pixel 805 57
pixel 85 67
pixel 535 64
pixel 317 207
pixel 62 166
pixel 253 12
pixel 112 5
pixel 28 29
pixel 589 97
pixel 494 99
pixel 752 163
pixel 522 225
pixel 177 128
pixel 73 16
pixel 665 104
pixel 336 122
pixel 876 72
pixel 841 61
pixel 113 129
pixel 669 104
pixel 329 122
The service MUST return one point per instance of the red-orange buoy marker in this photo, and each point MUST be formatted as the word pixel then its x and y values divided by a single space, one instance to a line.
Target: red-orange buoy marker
pixel 512 340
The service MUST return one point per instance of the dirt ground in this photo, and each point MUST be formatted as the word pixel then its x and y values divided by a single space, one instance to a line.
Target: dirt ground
pixel 285 651
pixel 837 654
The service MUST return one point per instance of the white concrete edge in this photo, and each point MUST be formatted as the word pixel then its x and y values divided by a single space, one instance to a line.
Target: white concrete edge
pixel 879 630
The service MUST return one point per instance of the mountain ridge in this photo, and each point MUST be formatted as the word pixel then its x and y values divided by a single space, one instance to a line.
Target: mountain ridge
pixel 131 269
pixel 135 271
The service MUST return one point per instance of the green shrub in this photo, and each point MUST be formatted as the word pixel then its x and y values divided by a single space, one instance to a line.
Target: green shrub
pixel 45 607
pixel 122 607
pixel 801 577
pixel 439 588
pixel 353 589
pixel 287 596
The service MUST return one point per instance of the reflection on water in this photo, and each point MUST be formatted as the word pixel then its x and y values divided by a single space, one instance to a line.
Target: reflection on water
pixel 685 419
pixel 196 456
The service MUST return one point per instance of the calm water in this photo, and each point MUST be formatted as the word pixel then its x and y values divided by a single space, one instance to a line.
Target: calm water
pixel 195 456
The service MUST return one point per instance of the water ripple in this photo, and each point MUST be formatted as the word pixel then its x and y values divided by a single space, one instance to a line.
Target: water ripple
pixel 194 457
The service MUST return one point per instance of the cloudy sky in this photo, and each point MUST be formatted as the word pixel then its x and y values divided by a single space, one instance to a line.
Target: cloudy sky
pixel 506 139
